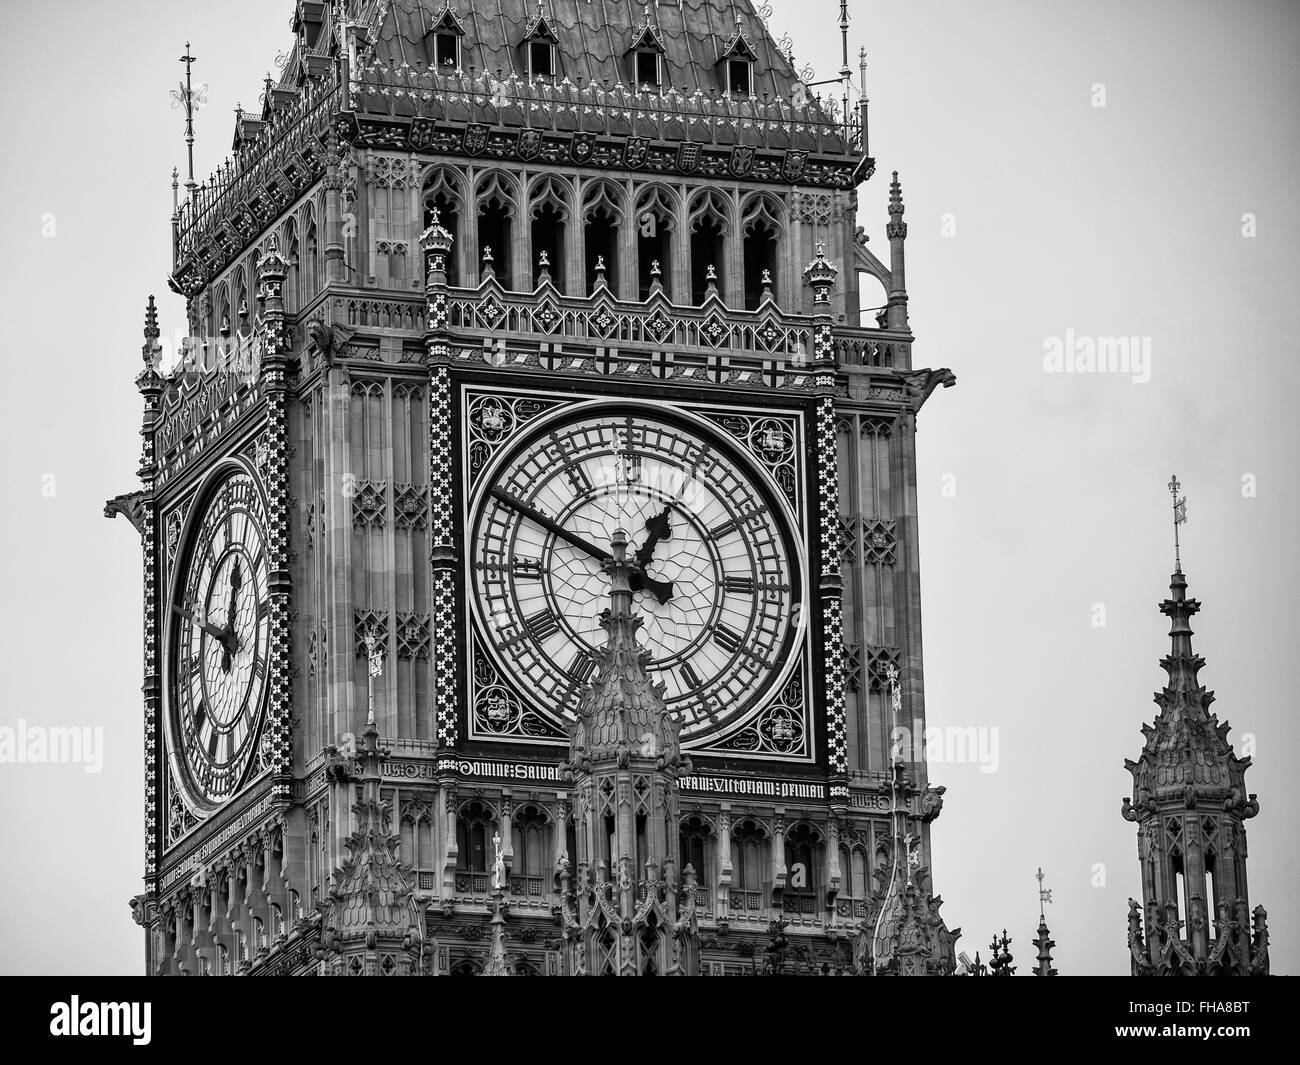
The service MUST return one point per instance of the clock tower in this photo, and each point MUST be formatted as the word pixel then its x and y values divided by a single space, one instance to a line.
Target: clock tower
pixel 530 517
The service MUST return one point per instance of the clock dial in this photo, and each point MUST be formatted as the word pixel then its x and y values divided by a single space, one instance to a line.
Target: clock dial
pixel 718 583
pixel 219 644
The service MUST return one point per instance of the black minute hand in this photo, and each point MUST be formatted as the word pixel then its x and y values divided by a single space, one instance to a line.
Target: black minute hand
pixel 661 590
pixel 551 525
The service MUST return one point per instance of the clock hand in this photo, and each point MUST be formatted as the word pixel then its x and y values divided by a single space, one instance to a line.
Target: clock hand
pixel 222 636
pixel 551 525
pixel 659 528
pixel 228 648
pixel 661 590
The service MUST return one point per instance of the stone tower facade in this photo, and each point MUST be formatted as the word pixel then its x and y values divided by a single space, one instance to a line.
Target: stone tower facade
pixel 471 295
pixel 1190 806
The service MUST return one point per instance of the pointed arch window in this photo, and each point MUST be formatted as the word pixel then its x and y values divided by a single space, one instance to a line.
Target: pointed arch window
pixel 653 219
pixel 749 862
pixel 474 828
pixel 530 833
pixel 696 847
pixel 802 849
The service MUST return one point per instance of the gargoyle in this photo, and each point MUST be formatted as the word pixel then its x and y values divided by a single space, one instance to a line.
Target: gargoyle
pixel 130 506
pixel 328 339
pixel 920 383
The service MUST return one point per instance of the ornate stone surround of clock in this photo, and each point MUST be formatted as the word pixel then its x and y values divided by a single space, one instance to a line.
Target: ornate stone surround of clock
pixel 715 496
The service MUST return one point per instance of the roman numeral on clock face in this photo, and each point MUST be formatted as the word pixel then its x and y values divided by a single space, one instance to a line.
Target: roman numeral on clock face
pixel 526 569
pixel 690 676
pixel 581 667
pixel 726 639
pixel 542 625
pixel 738 585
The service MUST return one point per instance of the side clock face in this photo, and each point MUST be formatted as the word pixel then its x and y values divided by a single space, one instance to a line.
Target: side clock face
pixel 717 586
pixel 219 641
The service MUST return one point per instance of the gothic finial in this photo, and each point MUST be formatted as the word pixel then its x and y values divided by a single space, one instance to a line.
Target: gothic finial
pixel 895 195
pixel 820 275
pixel 1044 894
pixel 152 350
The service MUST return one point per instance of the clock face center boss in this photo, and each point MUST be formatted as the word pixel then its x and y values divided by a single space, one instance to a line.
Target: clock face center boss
pixel 717 580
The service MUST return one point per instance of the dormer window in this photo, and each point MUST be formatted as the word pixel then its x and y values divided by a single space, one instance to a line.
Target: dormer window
pixel 539 46
pixel 740 77
pixel 648 67
pixel 541 59
pixel 446 50
pixel 737 62
pixel 646 51
pixel 444 39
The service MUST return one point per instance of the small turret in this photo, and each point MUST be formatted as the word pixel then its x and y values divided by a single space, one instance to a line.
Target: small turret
pixel 1190 805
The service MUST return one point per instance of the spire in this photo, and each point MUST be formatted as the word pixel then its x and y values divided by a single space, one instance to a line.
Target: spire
pixel 498 963
pixel 623 706
pixel 896 230
pixel 1044 943
pixel 1190 805
pixel 627 914
pixel 152 350
pixel 371 923
pixel 1043 940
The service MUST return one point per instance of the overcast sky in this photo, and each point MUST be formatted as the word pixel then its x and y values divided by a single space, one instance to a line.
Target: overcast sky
pixel 1034 214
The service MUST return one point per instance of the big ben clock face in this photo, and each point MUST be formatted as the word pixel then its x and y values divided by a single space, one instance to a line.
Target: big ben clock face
pixel 718 585
pixel 218 659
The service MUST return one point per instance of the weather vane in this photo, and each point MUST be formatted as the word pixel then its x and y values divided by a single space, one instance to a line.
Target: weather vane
pixel 1180 516
pixel 1044 894
pixel 188 102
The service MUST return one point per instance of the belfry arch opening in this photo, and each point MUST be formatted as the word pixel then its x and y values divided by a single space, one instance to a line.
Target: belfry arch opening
pixel 548 240
pixel 496 232
pixel 707 250
pixel 760 261
pixel 602 247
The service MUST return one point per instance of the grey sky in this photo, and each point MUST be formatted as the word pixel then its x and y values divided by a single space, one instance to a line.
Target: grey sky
pixel 1116 221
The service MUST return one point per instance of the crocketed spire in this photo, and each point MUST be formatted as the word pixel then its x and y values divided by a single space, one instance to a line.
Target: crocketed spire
pixel 1190 805
pixel 370 924
pixel 623 711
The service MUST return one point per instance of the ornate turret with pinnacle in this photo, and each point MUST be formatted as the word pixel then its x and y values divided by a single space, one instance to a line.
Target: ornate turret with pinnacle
pixel 1190 805
pixel 626 914
pixel 370 925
